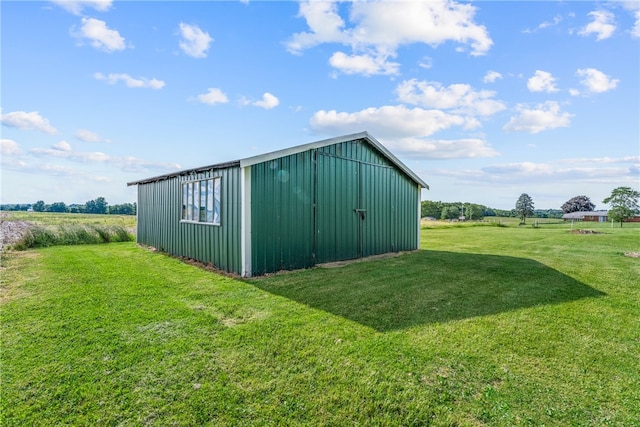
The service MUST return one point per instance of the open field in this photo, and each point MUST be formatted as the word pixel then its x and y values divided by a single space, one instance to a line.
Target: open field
pixel 485 325
pixel 52 218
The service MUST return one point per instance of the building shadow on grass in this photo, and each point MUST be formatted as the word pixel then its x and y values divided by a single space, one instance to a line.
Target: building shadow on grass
pixel 427 287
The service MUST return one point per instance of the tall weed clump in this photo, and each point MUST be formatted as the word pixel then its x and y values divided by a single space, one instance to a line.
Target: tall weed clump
pixel 40 236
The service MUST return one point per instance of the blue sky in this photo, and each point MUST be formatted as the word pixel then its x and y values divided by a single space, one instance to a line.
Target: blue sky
pixel 483 100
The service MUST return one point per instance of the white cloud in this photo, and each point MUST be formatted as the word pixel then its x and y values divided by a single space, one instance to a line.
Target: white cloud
pixel 546 24
pixel 133 164
pixel 62 146
pixel 426 63
pixel 32 120
pixel 388 122
pixel 556 20
pixel 142 82
pixel 88 136
pixel 378 29
pixel 9 147
pixel 558 172
pixel 58 150
pixel 324 22
pixel 38 168
pixel 635 31
pixel 213 96
pixel 420 148
pixel 76 6
pixel 603 25
pixel 491 76
pixel 561 171
pixel 195 42
pixel 596 81
pixel 542 81
pixel 267 102
pixel 100 36
pixel 527 168
pixel 603 160
pixel 632 6
pixel 62 150
pixel 544 117
pixel 460 98
pixel 363 64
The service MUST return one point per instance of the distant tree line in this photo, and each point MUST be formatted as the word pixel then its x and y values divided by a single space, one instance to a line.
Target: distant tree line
pixel 96 206
pixel 623 201
pixel 475 212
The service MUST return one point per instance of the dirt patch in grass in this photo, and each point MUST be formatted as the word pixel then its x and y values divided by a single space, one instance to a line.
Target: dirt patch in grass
pixel 585 232
pixel 632 254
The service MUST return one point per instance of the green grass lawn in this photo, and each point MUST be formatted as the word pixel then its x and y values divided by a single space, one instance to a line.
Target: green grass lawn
pixel 484 326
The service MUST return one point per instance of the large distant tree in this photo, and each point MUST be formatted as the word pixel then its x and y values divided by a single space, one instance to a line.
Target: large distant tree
pixel 623 202
pixel 101 205
pixel 450 212
pixel 38 206
pixel 578 204
pixel 433 209
pixel 57 207
pixel 473 212
pixel 123 209
pixel 524 207
pixel 97 206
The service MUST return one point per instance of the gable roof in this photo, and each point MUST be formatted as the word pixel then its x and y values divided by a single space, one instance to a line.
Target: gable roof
pixel 249 161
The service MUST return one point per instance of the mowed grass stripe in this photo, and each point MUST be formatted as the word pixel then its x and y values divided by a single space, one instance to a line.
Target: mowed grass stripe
pixel 484 326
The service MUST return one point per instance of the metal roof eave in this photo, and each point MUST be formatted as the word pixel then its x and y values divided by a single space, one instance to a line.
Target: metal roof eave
pixel 185 172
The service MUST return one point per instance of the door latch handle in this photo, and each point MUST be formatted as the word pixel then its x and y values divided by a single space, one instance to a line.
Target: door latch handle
pixel 361 212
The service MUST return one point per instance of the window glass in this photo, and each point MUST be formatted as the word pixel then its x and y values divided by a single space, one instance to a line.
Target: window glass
pixel 183 215
pixel 201 201
pixel 196 201
pixel 216 201
pixel 210 200
pixel 190 201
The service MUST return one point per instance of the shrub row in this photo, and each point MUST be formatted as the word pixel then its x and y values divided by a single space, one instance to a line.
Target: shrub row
pixel 40 236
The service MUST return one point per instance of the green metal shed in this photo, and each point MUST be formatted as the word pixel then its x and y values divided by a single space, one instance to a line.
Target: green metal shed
pixel 331 200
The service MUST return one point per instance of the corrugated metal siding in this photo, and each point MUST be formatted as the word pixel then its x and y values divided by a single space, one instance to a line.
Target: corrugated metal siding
pixel 352 175
pixel 159 209
pixel 282 214
pixel 287 232
pixel 337 224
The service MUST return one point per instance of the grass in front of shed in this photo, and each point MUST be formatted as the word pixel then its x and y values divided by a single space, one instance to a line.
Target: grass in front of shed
pixel 485 326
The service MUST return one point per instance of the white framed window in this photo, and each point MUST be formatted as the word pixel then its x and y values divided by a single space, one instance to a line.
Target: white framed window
pixel 201 201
